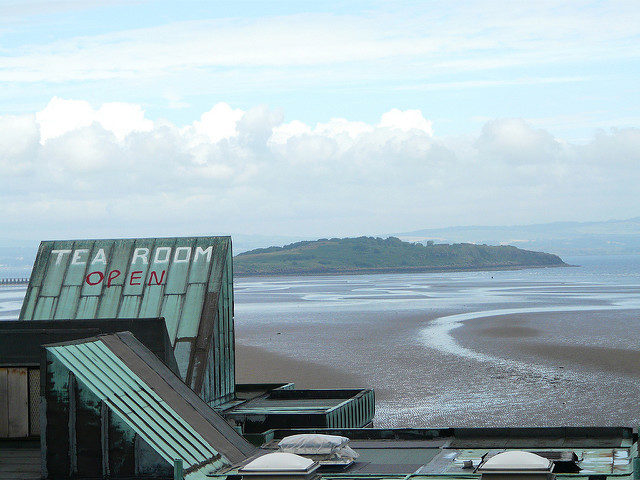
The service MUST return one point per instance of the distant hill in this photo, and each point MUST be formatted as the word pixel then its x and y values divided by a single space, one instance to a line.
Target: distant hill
pixel 369 254
pixel 564 238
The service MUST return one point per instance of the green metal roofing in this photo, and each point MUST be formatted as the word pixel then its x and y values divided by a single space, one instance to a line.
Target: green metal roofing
pixel 151 408
pixel 188 281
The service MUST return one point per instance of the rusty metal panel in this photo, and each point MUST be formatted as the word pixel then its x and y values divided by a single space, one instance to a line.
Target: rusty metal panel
pixel 188 281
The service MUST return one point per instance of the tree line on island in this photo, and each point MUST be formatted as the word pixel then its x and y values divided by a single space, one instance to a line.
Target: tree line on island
pixel 371 254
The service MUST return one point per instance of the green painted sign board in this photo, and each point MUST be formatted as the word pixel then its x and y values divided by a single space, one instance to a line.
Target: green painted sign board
pixel 186 280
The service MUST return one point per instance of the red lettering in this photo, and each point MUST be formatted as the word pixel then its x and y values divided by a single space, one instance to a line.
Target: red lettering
pixel 135 276
pixel 100 278
pixel 155 275
pixel 112 276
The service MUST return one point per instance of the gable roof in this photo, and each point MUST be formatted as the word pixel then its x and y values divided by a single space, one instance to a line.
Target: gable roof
pixel 188 281
pixel 153 401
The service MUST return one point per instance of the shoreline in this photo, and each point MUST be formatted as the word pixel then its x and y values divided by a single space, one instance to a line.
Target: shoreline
pixel 392 270
pixel 258 365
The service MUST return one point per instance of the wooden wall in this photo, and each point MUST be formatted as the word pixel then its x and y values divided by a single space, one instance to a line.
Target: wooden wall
pixel 19 402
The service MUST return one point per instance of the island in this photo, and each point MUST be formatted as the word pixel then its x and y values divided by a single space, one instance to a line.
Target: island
pixel 384 255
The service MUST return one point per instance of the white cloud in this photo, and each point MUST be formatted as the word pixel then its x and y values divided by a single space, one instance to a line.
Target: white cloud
pixel 61 116
pixel 284 132
pixel 74 168
pixel 219 122
pixel 122 119
pixel 407 120
pixel 517 141
pixel 425 41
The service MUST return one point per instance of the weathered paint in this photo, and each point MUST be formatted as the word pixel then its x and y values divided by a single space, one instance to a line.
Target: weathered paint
pixel 122 416
pixel 188 281
pixel 14 402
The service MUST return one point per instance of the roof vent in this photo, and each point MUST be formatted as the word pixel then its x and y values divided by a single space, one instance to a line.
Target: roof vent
pixel 278 464
pixel 516 462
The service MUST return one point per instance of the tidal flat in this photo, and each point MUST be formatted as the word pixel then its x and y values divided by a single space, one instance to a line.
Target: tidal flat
pixel 532 347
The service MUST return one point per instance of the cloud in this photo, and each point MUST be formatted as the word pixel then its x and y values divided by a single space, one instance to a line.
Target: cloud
pixel 72 169
pixel 407 120
pixel 61 116
pixel 412 42
pixel 219 122
pixel 517 142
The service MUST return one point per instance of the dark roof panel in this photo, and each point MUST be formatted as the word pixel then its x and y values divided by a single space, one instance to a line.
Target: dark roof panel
pixel 152 400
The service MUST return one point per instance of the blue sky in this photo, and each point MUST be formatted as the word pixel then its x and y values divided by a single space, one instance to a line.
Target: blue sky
pixel 571 68
pixel 537 99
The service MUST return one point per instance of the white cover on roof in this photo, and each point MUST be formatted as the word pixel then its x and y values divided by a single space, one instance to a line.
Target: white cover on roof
pixel 516 460
pixel 312 444
pixel 278 461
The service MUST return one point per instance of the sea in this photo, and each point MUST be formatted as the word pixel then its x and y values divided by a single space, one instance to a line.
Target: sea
pixel 531 347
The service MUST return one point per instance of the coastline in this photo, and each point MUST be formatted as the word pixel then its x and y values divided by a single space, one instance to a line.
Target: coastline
pixel 392 270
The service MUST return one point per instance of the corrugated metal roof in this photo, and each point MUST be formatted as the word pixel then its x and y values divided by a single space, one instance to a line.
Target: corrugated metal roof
pixel 188 281
pixel 142 395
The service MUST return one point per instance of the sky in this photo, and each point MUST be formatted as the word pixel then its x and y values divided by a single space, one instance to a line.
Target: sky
pixel 315 118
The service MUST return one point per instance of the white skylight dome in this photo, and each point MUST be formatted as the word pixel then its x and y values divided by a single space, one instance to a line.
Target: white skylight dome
pixel 516 460
pixel 279 462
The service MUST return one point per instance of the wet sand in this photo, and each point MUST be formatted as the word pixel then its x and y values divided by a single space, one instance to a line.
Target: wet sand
pixel 510 331
pixel 619 361
pixel 553 381
pixel 256 365
pixel 532 337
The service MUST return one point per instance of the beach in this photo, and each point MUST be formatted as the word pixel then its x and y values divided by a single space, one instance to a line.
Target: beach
pixel 533 348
